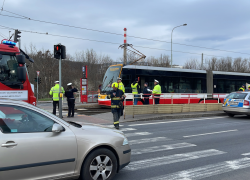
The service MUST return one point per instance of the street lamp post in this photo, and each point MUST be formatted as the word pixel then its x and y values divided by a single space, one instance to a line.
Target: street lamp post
pixel 171 42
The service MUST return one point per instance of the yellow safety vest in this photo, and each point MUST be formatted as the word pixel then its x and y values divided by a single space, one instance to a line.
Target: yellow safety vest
pixel 241 89
pixel 55 92
pixel 157 89
pixel 121 87
pixel 134 88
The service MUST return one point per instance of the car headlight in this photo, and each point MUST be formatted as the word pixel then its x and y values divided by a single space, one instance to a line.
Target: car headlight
pixel 125 142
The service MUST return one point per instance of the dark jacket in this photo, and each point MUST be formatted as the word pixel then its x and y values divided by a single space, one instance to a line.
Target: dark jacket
pixel 70 93
pixel 116 101
pixel 145 91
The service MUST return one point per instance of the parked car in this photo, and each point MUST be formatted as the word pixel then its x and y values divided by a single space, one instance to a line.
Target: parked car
pixel 35 144
pixel 95 95
pixel 237 103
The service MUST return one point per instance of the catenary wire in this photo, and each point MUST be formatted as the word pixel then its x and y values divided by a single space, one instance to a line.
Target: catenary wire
pixel 70 37
pixel 77 27
pixel 2 7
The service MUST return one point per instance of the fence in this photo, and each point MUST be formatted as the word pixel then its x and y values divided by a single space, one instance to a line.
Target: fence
pixel 166 107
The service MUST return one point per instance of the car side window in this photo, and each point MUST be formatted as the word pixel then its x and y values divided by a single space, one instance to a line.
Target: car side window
pixel 15 119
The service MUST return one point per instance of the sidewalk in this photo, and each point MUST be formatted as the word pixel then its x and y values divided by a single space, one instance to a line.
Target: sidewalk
pixel 107 118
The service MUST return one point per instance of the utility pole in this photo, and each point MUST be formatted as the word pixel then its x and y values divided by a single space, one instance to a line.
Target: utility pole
pixel 37 74
pixel 125 47
pixel 202 61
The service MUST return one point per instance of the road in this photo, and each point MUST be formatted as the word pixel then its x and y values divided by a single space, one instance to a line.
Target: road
pixel 191 149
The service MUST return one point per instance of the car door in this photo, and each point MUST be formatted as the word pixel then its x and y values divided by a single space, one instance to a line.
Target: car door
pixel 30 150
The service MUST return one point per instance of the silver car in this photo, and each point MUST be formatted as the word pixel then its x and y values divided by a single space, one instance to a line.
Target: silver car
pixel 237 103
pixel 38 145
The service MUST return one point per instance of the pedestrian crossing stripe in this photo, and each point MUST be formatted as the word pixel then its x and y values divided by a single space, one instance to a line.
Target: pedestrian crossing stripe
pixel 159 161
pixel 161 148
pixel 148 140
pixel 207 170
pixel 137 134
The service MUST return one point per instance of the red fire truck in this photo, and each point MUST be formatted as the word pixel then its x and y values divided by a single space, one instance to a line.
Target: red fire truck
pixel 14 79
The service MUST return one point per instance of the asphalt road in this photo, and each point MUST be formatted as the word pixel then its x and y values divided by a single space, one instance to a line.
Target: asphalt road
pixel 191 149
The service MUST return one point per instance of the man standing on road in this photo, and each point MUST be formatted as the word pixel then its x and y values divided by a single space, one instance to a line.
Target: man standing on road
pixel 121 87
pixel 243 87
pixel 135 90
pixel 156 91
pixel 146 91
pixel 116 103
pixel 55 92
pixel 71 99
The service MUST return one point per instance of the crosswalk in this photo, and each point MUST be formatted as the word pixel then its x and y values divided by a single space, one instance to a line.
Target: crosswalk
pixel 166 145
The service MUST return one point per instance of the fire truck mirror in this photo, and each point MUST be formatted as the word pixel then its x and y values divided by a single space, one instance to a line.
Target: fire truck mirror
pixel 1 56
pixel 21 73
pixel 20 59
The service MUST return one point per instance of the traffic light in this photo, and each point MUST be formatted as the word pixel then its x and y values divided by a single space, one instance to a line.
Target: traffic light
pixel 39 80
pixel 17 36
pixel 59 51
pixel 35 79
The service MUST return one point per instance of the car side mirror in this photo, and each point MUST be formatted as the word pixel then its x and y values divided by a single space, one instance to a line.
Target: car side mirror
pixel 1 56
pixel 20 59
pixel 57 128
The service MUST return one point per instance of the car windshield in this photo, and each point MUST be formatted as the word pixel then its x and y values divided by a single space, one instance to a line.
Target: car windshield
pixel 8 69
pixel 110 76
pixel 237 96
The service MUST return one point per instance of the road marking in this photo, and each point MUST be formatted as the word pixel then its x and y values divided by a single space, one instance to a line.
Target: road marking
pixel 161 148
pixel 127 129
pixel 246 154
pixel 174 121
pixel 206 171
pixel 149 140
pixel 143 164
pixel 137 134
pixel 111 126
pixel 210 133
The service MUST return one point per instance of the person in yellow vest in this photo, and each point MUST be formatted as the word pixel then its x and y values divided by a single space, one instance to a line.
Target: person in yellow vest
pixel 242 88
pixel 54 91
pixel 120 84
pixel 135 90
pixel 156 91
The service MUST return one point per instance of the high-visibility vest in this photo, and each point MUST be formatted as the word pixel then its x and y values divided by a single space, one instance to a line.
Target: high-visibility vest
pixel 241 89
pixel 157 89
pixel 55 92
pixel 134 88
pixel 121 87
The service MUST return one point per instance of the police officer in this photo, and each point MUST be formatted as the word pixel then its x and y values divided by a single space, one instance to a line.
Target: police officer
pixel 135 90
pixel 156 91
pixel 116 103
pixel 120 84
pixel 71 99
pixel 146 91
pixel 55 92
pixel 242 88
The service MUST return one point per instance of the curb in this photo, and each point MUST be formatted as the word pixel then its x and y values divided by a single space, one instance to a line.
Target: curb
pixel 176 116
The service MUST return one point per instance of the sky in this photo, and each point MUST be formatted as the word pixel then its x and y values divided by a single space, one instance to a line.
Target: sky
pixel 214 24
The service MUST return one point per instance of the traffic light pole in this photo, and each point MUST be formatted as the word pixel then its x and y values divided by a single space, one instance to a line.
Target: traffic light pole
pixel 60 85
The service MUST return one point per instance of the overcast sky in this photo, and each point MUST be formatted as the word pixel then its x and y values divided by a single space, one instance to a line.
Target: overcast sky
pixel 219 24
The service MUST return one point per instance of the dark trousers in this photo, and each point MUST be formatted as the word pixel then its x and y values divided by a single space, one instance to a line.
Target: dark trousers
pixel 157 99
pixel 146 100
pixel 116 116
pixel 55 103
pixel 71 107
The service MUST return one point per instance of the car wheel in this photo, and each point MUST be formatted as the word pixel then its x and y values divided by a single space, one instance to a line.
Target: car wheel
pixel 230 115
pixel 101 164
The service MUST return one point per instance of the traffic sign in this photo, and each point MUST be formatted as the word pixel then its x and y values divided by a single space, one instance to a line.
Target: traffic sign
pixel 38 72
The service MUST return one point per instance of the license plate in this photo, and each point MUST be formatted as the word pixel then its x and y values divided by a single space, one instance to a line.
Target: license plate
pixel 234 103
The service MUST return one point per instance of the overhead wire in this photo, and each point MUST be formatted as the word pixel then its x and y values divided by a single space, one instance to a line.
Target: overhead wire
pixel 71 37
pixel 2 7
pixel 77 27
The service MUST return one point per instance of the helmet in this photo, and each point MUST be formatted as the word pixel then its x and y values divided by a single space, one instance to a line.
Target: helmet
pixel 249 86
pixel 115 84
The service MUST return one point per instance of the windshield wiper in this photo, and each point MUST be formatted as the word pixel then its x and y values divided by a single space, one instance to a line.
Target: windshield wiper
pixel 27 57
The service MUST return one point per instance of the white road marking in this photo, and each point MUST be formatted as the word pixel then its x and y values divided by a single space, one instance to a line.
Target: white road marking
pixel 127 129
pixel 165 122
pixel 206 171
pixel 148 140
pixel 137 134
pixel 210 133
pixel 143 164
pixel 246 154
pixel 161 148
pixel 111 126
